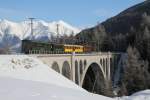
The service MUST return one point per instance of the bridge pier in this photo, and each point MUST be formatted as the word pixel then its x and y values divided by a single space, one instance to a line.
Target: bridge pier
pixel 73 66
pixel 108 66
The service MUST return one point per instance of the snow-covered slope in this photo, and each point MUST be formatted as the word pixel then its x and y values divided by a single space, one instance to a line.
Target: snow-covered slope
pixel 13 32
pixel 26 78
pixel 14 89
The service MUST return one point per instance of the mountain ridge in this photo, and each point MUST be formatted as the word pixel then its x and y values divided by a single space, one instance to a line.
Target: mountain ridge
pixel 50 27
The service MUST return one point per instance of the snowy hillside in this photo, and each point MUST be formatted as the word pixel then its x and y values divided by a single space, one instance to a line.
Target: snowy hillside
pixel 11 33
pixel 14 89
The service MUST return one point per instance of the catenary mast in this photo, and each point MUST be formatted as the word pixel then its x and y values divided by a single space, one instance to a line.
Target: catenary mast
pixel 31 22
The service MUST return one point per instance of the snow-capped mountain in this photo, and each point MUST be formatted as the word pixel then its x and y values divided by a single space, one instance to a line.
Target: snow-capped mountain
pixel 23 29
pixel 11 33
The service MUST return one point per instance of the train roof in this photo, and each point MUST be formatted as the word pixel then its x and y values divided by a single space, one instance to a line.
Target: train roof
pixel 73 45
pixel 51 43
pixel 37 41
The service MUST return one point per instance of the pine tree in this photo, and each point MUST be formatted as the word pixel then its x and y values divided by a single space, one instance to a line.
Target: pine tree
pixel 135 73
pixel 145 20
pixel 146 39
pixel 99 36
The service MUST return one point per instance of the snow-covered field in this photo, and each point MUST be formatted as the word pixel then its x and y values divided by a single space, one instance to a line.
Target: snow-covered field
pixel 27 78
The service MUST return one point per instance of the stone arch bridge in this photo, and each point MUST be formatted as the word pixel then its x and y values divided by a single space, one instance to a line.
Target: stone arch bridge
pixel 90 71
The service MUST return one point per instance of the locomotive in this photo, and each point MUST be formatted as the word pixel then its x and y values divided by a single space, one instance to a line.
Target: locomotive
pixel 29 46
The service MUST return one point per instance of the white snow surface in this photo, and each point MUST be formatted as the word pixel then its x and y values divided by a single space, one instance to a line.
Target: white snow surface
pixel 27 78
pixel 14 89
pixel 142 95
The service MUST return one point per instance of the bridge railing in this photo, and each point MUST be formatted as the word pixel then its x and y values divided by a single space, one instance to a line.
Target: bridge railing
pixel 43 52
pixel 57 52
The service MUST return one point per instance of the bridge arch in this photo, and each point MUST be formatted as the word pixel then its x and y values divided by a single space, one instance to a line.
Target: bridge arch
pixel 66 70
pixel 81 67
pixel 101 61
pixel 106 62
pixel 93 80
pixel 55 67
pixel 111 68
pixel 85 64
pixel 76 72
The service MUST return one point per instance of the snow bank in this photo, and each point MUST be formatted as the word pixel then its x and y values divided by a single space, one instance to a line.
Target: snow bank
pixel 142 95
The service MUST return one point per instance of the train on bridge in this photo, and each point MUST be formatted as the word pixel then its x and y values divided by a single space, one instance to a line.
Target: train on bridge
pixel 34 47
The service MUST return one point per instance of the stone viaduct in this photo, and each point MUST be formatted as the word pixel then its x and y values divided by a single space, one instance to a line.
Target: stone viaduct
pixel 90 71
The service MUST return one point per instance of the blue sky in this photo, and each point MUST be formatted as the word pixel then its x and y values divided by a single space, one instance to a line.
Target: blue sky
pixel 80 13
